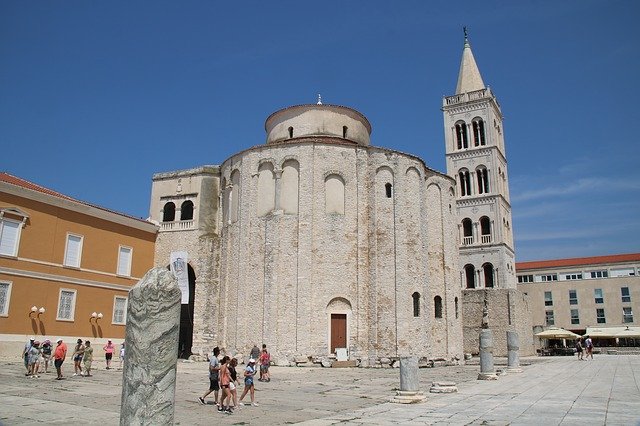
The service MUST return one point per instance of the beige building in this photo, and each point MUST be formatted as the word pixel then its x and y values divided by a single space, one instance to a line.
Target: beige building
pixel 600 291
pixel 65 266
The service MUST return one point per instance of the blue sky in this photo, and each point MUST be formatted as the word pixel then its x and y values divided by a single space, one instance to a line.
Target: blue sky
pixel 95 97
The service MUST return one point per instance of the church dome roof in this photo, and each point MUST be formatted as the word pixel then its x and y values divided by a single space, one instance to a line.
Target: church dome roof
pixel 312 120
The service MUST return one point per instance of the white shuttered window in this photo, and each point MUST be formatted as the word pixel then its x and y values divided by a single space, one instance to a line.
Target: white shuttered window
pixel 9 236
pixel 73 251
pixel 124 261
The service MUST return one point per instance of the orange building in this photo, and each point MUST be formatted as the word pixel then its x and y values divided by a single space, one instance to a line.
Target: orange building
pixel 66 266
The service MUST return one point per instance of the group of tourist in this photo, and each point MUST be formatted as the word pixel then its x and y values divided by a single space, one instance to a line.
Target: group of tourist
pixel 584 344
pixel 37 357
pixel 223 375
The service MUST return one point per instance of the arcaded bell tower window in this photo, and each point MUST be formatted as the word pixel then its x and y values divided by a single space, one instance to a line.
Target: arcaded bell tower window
pixel 186 210
pixel 469 273
pixel 169 212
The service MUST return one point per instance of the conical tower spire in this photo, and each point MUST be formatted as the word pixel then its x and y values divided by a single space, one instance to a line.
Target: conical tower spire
pixel 469 78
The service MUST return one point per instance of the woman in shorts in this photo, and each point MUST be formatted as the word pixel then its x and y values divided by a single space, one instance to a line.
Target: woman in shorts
pixel 108 353
pixel 77 358
pixel 249 372
pixel 46 355
pixel 225 380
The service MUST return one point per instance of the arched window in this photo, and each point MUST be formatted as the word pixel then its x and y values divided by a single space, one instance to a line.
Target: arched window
pixel 225 201
pixel 465 182
pixel 266 189
pixel 290 132
pixel 456 303
pixel 485 229
pixel 478 132
pixel 437 306
pixel 467 232
pixel 487 268
pixel 186 210
pixel 235 196
pixel 344 131
pixel 461 135
pixel 470 276
pixel 289 189
pixel 388 189
pixel 169 212
pixel 334 194
pixel 482 175
pixel 416 304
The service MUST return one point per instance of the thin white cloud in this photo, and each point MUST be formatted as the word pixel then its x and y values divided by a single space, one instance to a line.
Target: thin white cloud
pixel 584 232
pixel 579 186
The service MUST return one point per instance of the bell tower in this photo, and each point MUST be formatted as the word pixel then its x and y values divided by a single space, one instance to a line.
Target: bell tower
pixel 476 159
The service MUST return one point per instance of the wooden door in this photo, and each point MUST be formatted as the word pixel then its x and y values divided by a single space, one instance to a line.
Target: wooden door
pixel 338 331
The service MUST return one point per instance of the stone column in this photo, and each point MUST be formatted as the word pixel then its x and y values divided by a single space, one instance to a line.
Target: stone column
pixel 409 392
pixel 487 371
pixel 153 326
pixel 513 346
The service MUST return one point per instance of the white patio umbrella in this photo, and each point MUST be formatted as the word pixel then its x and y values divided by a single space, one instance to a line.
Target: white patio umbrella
pixel 557 333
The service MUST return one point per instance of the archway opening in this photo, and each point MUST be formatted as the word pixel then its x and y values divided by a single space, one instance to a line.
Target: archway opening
pixel 185 337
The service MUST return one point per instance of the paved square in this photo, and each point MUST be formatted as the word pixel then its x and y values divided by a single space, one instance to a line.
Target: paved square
pixel 550 391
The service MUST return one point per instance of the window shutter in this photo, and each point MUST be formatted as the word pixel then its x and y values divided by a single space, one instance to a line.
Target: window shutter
pixel 66 303
pixel 9 237
pixel 72 257
pixel 124 261
pixel 4 297
pixel 119 310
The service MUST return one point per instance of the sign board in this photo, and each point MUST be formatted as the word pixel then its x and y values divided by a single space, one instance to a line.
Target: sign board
pixel 178 265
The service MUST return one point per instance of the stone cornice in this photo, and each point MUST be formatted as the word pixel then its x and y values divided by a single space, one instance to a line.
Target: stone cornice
pixel 476 152
pixel 478 200
pixel 473 105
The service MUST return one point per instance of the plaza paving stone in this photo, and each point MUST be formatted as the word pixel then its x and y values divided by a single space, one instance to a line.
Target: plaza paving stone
pixel 550 391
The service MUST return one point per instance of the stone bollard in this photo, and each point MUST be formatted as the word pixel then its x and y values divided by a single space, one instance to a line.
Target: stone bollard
pixel 513 346
pixel 153 325
pixel 487 372
pixel 409 392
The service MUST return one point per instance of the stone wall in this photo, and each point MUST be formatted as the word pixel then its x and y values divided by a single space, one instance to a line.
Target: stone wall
pixel 283 275
pixel 508 311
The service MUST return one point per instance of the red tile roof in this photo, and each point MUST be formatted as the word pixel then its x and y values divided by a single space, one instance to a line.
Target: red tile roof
pixel 14 180
pixel 594 260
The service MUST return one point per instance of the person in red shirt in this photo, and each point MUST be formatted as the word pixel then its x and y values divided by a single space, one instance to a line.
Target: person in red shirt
pixel 59 356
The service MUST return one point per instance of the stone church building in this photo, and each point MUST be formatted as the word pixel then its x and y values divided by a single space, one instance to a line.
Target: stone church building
pixel 316 240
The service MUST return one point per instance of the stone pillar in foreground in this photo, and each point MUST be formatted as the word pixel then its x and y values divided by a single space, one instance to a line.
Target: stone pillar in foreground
pixel 409 392
pixel 513 348
pixel 487 371
pixel 153 326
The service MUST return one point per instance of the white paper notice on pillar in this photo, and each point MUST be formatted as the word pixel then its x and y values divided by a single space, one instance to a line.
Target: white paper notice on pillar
pixel 179 268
